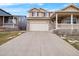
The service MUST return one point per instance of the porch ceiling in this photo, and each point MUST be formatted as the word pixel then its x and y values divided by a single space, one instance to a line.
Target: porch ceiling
pixel 62 15
pixel 65 14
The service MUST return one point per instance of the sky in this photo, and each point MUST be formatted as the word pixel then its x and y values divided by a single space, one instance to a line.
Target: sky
pixel 23 8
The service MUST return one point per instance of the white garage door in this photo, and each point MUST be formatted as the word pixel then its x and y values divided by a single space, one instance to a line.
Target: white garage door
pixel 38 27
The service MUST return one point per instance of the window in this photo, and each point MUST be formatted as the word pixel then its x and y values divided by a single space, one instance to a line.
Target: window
pixel 34 14
pixel 45 14
pixel 68 20
pixel 74 20
pixel 10 21
pixel 37 13
pixel 6 21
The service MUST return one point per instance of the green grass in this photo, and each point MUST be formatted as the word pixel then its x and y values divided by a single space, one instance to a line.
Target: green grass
pixel 6 36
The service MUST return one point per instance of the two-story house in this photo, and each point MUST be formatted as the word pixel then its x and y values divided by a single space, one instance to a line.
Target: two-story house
pixel 38 19
pixel 43 20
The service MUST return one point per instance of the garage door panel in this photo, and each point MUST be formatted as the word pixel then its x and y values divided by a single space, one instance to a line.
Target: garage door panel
pixel 38 27
pixel 38 21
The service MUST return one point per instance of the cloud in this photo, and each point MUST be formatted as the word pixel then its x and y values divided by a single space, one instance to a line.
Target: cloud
pixel 7 3
pixel 65 5
pixel 52 9
pixel 39 4
pixel 10 7
pixel 16 11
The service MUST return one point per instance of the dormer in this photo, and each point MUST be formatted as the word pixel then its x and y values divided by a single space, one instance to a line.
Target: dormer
pixel 33 12
pixel 43 12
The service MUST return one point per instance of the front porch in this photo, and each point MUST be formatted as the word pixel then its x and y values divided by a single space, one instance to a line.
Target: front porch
pixel 66 20
pixel 8 21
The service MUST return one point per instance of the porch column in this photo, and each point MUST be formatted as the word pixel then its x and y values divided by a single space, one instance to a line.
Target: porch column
pixel 56 21
pixel 71 21
pixel 3 21
pixel 13 22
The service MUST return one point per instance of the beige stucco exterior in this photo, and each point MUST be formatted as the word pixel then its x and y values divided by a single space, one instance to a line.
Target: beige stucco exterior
pixel 30 14
pixel 39 21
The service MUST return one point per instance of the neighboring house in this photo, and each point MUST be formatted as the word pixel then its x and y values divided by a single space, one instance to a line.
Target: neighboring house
pixel 8 21
pixel 43 20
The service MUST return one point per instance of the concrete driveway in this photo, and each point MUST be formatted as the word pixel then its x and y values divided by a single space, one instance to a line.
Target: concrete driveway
pixel 38 44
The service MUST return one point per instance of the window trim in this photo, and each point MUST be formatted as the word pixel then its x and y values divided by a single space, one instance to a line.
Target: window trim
pixel 68 20
pixel 45 14
pixel 34 14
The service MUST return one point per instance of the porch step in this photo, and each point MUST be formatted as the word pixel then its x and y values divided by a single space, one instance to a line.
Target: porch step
pixel 8 29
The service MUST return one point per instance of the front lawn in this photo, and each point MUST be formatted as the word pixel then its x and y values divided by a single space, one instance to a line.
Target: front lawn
pixel 6 36
pixel 73 40
pixel 72 37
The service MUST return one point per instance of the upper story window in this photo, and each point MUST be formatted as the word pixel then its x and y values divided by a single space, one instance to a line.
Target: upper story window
pixel 45 14
pixel 37 13
pixel 34 14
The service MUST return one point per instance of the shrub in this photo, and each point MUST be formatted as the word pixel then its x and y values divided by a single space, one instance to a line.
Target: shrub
pixel 66 32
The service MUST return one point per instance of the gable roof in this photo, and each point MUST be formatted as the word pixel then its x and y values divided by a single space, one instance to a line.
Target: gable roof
pixel 42 10
pixel 70 8
pixel 37 10
pixel 33 10
pixel 4 13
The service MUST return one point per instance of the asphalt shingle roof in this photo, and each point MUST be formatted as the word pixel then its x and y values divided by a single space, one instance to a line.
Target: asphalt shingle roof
pixel 4 13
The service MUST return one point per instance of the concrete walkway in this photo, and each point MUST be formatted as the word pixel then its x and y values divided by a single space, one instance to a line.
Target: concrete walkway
pixel 37 44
